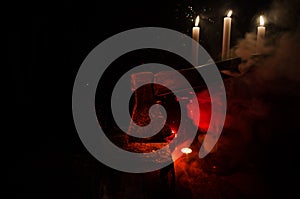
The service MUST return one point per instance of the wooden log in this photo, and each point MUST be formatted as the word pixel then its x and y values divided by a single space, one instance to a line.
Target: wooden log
pixel 170 78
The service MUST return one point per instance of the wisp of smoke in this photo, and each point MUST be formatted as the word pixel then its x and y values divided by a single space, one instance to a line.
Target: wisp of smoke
pixel 261 100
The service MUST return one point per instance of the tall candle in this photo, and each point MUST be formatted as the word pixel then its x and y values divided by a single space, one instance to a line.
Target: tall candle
pixel 226 36
pixel 196 36
pixel 196 29
pixel 261 31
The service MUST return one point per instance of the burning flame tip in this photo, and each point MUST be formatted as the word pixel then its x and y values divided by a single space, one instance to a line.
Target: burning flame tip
pixel 197 20
pixel 261 20
pixel 229 13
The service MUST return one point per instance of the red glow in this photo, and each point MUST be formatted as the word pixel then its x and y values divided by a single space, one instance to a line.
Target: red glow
pixel 172 136
pixel 204 101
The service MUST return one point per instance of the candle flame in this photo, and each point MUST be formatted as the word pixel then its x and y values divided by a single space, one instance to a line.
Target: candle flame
pixel 261 20
pixel 229 13
pixel 197 20
pixel 186 150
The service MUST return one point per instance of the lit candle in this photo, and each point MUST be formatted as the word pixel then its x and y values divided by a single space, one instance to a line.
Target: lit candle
pixel 261 30
pixel 196 29
pixel 186 151
pixel 226 36
pixel 196 35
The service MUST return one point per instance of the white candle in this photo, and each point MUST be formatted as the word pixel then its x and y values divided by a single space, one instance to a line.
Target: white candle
pixel 261 31
pixel 196 36
pixel 196 29
pixel 226 36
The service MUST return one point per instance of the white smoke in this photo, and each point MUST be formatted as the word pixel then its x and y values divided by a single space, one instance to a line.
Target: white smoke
pixel 261 100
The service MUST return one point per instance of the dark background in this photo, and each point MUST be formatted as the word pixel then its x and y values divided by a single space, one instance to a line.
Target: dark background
pixel 47 42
